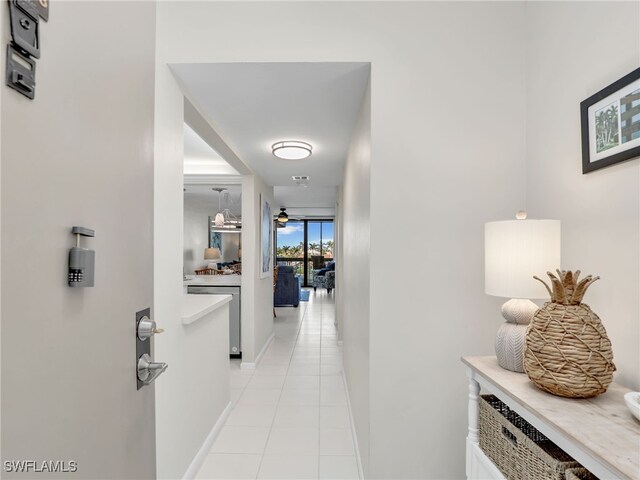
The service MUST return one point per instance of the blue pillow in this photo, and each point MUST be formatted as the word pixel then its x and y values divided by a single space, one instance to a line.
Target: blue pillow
pixel 331 266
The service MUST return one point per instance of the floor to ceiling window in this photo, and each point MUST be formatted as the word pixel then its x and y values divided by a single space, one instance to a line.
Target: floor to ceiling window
pixel 306 245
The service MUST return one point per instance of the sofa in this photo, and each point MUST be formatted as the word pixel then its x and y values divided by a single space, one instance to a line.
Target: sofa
pixel 325 277
pixel 287 289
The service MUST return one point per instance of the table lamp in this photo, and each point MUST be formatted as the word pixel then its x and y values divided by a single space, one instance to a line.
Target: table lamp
pixel 212 254
pixel 515 251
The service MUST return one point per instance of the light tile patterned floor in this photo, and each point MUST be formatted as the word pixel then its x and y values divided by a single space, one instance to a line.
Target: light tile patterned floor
pixel 290 418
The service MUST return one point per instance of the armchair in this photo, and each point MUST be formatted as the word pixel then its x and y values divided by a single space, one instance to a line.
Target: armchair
pixel 326 279
pixel 287 288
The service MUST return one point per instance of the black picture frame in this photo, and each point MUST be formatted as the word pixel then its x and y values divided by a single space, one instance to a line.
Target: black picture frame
pixel 597 154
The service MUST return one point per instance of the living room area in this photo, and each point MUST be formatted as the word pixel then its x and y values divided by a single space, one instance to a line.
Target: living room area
pixel 304 257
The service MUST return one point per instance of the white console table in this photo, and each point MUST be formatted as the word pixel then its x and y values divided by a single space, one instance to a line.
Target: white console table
pixel 598 432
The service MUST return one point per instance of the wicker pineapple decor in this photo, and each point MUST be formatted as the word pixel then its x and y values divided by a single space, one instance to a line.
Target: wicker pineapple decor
pixel 567 351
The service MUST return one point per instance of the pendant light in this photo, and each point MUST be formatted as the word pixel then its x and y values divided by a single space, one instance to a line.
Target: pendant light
pixel 283 217
pixel 225 220
pixel 219 220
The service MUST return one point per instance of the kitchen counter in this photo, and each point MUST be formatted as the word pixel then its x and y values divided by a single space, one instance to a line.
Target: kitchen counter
pixel 194 394
pixel 222 285
pixel 195 307
pixel 232 280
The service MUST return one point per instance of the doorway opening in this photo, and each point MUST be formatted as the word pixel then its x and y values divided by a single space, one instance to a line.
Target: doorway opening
pixel 307 245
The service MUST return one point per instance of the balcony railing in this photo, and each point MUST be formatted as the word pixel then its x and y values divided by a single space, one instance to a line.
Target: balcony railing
pixel 298 265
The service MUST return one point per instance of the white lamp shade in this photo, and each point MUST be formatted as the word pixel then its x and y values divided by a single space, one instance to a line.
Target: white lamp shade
pixel 515 251
pixel 211 253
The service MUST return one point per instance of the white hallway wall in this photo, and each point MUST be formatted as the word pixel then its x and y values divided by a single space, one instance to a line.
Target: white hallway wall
pixel 353 287
pixel 257 307
pixel 600 212
pixel 447 102
pixel 171 111
pixel 448 140
pixel 173 458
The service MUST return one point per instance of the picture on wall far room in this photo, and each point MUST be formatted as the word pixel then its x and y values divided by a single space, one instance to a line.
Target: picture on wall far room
pixel 215 239
pixel 266 236
pixel 610 122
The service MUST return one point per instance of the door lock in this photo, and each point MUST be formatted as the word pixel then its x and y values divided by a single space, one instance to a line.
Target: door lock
pixel 147 328
pixel 148 371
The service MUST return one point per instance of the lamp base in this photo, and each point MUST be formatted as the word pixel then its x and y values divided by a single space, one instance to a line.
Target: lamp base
pixel 510 346
pixel 519 310
pixel 511 334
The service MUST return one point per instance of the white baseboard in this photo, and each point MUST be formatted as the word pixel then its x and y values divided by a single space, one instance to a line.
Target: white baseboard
pixel 201 456
pixel 264 348
pixel 353 427
pixel 253 365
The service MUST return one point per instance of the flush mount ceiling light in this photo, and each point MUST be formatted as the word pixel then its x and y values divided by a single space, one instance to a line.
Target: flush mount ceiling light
pixel 291 150
pixel 283 217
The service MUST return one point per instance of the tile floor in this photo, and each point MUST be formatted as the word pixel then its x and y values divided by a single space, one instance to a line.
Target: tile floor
pixel 290 418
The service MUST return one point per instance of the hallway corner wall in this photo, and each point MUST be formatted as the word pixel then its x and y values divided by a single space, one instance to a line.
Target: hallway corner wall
pixel 448 155
pixel 257 309
pixel 173 458
pixel 354 297
pixel 599 211
pixel 339 299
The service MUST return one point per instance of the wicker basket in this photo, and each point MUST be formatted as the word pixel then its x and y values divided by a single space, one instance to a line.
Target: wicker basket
pixel 519 450
pixel 579 474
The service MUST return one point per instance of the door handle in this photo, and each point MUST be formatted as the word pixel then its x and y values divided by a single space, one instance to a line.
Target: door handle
pixel 148 371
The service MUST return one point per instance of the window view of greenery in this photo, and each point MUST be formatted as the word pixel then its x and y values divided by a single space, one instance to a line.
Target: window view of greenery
pixel 290 246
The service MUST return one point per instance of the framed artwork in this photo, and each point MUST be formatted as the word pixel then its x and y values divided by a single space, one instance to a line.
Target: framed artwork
pixel 266 238
pixel 215 238
pixel 610 121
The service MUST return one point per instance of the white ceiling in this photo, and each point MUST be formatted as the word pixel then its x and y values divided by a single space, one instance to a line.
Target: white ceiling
pixel 255 105
pixel 307 201
pixel 200 158
pixel 205 195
